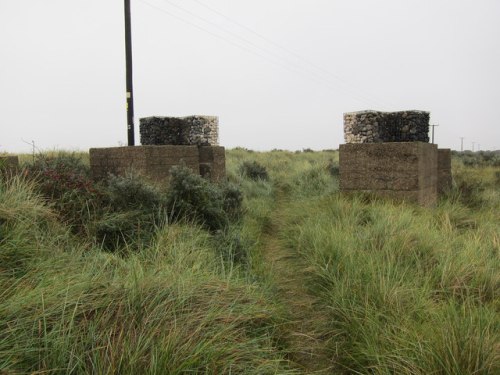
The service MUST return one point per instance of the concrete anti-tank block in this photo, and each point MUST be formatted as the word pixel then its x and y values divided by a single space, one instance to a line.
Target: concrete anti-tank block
pixel 444 170
pixel 213 162
pixel 155 162
pixel 400 170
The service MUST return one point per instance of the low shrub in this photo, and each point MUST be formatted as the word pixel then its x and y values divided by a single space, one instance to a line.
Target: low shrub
pixel 478 159
pixel 254 171
pixel 132 192
pixel 333 168
pixel 134 210
pixel 233 200
pixel 193 198
pixel 233 247
pixel 123 210
pixel 65 182
pixel 57 175
pixel 114 231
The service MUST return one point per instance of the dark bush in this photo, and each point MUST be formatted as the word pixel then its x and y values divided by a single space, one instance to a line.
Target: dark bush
pixel 470 161
pixel 193 198
pixel 65 182
pixel 233 200
pixel 254 171
pixel 134 209
pixel 243 149
pixel 126 210
pixel 131 192
pixel 232 247
pixel 333 168
pixel 58 175
pixel 115 229
pixel 119 211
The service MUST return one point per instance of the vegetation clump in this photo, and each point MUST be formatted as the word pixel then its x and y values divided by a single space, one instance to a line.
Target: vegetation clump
pixel 254 171
pixel 127 209
pixel 64 180
pixel 478 159
pixel 193 198
pixel 134 210
pixel 333 168
pixel 170 307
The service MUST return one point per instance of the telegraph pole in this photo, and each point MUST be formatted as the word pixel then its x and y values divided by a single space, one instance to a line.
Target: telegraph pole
pixel 462 144
pixel 433 126
pixel 130 90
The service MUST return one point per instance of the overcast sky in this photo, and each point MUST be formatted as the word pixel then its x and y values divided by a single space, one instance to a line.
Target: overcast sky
pixel 278 73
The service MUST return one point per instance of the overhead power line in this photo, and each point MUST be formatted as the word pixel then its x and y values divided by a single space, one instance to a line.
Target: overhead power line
pixel 254 49
pixel 235 44
pixel 281 47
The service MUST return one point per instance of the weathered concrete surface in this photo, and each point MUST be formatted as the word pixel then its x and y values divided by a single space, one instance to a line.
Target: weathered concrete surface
pixel 444 170
pixel 155 162
pixel 400 170
pixel 213 162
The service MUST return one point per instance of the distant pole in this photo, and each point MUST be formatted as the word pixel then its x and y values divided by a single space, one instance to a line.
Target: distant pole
pixel 130 90
pixel 462 144
pixel 473 146
pixel 433 126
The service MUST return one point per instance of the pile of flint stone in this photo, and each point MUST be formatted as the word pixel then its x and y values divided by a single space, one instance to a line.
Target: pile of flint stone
pixel 191 130
pixel 376 127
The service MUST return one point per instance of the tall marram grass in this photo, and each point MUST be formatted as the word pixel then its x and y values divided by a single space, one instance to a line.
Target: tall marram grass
pixel 408 290
pixel 172 308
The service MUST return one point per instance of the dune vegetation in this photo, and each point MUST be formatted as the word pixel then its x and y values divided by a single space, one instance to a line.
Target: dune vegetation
pixel 271 272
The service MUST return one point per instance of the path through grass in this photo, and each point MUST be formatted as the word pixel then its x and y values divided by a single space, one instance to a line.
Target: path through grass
pixel 304 333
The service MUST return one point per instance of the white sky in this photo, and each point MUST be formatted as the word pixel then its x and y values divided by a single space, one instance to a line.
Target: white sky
pixel 281 81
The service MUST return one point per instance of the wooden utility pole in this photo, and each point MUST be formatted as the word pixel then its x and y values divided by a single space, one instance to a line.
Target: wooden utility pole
pixel 130 89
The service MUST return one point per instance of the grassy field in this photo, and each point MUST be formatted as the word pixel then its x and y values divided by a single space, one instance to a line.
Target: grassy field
pixel 273 273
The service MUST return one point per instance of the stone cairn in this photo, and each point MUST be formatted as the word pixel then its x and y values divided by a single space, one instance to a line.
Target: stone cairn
pixel 376 127
pixel 191 130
